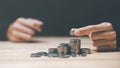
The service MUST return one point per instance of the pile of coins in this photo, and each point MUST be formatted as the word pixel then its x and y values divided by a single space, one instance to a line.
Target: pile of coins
pixel 65 50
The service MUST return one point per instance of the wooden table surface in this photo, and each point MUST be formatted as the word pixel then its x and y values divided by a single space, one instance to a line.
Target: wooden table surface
pixel 17 55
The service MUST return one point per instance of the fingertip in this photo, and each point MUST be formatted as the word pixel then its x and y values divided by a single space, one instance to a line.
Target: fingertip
pixel 77 33
pixel 39 23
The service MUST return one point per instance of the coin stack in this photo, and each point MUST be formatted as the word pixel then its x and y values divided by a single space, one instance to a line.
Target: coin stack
pixel 75 46
pixel 65 50
pixel 52 52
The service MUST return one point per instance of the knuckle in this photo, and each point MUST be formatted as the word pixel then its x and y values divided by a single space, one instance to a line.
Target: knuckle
pixel 15 25
pixel 19 19
pixel 107 24
pixel 114 34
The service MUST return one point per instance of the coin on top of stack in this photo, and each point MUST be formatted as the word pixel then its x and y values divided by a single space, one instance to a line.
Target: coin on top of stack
pixel 72 31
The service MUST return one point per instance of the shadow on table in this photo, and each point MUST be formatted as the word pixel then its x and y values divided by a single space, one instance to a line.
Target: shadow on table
pixel 35 41
pixel 106 51
pixel 32 41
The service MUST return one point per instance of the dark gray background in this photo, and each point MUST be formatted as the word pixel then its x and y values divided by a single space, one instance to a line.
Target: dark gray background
pixel 60 16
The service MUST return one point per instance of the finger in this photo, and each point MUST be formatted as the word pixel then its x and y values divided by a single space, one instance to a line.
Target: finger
pixel 93 28
pixel 103 35
pixel 14 39
pixel 97 43
pixel 106 48
pixel 20 35
pixel 22 28
pixel 27 23
pixel 38 24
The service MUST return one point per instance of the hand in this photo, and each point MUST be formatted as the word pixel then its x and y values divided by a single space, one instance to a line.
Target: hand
pixel 23 29
pixel 102 35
